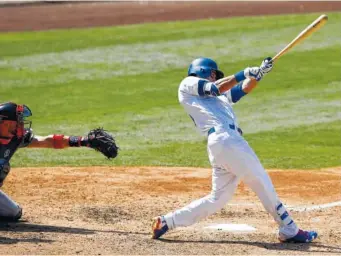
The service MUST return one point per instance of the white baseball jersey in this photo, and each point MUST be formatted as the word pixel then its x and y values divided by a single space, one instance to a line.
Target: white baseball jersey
pixel 207 111
pixel 230 155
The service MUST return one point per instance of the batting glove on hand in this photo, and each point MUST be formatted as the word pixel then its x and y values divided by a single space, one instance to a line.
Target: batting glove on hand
pixel 267 65
pixel 253 73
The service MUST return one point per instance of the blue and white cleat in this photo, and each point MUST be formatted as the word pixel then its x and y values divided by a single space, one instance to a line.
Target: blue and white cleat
pixel 301 237
pixel 159 227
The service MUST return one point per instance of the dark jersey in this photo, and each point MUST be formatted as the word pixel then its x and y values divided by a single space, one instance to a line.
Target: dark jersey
pixel 8 150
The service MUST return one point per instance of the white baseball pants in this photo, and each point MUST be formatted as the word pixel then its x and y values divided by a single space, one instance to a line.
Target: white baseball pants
pixel 233 159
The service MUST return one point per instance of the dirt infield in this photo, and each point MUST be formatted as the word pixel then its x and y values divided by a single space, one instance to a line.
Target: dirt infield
pixel 71 15
pixel 107 210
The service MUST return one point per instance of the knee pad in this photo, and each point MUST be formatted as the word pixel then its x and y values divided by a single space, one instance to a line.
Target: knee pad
pixel 18 215
pixel 13 218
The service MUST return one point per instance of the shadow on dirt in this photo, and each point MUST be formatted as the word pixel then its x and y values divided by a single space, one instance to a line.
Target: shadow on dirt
pixel 311 247
pixel 22 226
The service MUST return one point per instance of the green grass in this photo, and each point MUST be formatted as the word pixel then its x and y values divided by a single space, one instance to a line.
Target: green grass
pixel 126 79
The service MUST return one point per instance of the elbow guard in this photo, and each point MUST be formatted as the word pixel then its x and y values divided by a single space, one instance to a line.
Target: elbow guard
pixel 206 88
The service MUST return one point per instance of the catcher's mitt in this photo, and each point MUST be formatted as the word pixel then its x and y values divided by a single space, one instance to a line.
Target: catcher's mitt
pixel 102 141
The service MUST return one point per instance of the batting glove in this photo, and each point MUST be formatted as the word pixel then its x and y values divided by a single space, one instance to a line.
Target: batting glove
pixel 253 73
pixel 267 65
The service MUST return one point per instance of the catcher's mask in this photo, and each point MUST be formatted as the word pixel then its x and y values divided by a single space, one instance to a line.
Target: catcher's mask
pixel 13 121
pixel 203 68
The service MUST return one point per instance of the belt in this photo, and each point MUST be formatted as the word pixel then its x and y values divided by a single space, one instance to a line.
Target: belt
pixel 210 131
pixel 231 126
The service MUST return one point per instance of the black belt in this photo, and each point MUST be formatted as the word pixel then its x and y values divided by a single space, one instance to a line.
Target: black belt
pixel 232 126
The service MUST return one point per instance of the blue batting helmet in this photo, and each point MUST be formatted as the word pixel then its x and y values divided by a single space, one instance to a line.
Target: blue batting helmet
pixel 202 67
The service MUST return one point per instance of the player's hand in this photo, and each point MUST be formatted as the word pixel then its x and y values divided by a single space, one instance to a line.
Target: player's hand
pixel 253 73
pixel 267 65
pixel 102 141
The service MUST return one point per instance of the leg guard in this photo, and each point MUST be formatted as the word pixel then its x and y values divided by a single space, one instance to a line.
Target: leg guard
pixel 9 210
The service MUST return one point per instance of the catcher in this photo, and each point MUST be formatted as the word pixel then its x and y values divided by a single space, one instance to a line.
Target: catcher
pixel 16 132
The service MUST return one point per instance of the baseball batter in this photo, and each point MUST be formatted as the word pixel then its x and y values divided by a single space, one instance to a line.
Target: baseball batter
pixel 208 97
pixel 16 132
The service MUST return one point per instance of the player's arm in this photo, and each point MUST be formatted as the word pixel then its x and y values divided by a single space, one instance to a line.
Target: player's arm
pixel 98 139
pixel 240 90
pixel 246 79
pixel 57 141
pixel 205 87
pixel 48 142
pixel 226 83
pixel 249 75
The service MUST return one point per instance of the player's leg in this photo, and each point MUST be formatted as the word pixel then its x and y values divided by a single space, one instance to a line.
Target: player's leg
pixel 243 160
pixel 223 187
pixel 224 184
pixel 9 210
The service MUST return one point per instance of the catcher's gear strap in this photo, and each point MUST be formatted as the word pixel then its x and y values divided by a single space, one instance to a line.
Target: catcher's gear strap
pixel 77 141
pixel 4 170
pixel 58 141
pixel 28 137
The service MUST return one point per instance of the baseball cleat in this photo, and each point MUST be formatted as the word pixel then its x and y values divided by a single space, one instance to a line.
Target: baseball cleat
pixel 301 237
pixel 159 227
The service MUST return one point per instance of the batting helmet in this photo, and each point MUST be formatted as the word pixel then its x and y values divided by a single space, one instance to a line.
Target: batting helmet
pixel 12 121
pixel 203 67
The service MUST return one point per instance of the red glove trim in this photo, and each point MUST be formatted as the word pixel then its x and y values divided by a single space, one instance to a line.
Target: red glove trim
pixel 58 141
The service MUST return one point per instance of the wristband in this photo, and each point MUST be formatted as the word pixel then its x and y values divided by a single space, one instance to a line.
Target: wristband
pixel 240 76
pixel 58 141
pixel 77 141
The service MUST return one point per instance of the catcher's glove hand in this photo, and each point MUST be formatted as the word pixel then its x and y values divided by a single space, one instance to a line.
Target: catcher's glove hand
pixel 102 141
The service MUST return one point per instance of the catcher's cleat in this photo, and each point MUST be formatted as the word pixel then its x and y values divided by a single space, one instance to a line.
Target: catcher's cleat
pixel 301 237
pixel 159 227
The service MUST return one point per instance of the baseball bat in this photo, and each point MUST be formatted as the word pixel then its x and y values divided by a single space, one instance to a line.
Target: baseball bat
pixel 316 25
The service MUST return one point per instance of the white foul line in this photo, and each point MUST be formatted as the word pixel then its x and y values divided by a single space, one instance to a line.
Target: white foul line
pixel 315 207
pixel 305 208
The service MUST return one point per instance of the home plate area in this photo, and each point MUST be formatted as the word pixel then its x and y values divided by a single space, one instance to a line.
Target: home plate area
pixel 231 227
pixel 108 210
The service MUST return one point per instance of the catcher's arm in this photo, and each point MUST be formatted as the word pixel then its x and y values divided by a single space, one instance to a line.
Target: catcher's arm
pixel 97 139
pixel 49 141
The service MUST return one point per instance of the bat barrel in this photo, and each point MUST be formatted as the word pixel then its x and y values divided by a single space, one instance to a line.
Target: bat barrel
pixel 315 25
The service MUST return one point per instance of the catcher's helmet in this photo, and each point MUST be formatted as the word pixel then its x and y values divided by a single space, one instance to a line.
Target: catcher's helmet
pixel 12 121
pixel 202 67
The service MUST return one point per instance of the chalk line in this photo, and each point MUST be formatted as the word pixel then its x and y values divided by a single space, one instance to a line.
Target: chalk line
pixel 314 207
pixel 299 208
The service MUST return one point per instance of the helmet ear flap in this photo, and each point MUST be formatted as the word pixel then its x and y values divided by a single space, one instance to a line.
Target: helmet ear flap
pixel 219 74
